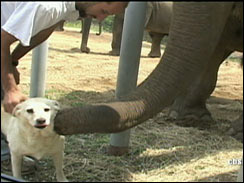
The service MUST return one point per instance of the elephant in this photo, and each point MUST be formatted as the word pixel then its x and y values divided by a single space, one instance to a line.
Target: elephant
pixel 86 29
pixel 85 32
pixel 86 24
pixel 157 23
pixel 117 34
pixel 60 27
pixel 202 35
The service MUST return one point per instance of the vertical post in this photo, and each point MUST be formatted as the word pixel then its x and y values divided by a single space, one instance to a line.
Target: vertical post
pixel 128 66
pixel 240 174
pixel 38 70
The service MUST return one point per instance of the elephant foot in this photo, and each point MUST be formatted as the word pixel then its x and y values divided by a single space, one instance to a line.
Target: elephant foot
pixel 154 55
pixel 85 50
pixel 114 52
pixel 201 119
pixel 236 129
pixel 200 114
pixel 117 151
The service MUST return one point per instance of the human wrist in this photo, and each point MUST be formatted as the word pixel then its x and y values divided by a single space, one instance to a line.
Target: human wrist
pixel 10 86
pixel 11 89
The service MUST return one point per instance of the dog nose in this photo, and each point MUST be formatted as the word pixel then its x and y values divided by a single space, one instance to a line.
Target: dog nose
pixel 40 121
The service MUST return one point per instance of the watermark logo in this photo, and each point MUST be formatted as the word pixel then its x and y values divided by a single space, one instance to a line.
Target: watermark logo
pixel 235 162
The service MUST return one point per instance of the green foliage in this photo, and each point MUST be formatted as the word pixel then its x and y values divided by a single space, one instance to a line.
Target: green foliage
pixel 107 24
pixel 75 24
pixel 235 58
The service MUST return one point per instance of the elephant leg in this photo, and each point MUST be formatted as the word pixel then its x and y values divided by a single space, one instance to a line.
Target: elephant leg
pixel 85 34
pixel 60 27
pixel 192 103
pixel 236 128
pixel 156 41
pixel 117 34
pixel 81 25
pixel 100 29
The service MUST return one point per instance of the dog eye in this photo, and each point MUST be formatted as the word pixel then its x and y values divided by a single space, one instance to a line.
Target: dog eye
pixel 46 109
pixel 30 111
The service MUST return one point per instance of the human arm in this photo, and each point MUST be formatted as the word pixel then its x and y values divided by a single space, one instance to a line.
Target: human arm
pixel 12 94
pixel 43 35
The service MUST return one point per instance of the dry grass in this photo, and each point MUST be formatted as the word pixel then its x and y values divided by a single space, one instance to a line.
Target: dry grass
pixel 161 151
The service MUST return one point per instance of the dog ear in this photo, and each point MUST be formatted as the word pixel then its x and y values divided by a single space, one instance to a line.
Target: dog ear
pixel 16 111
pixel 56 106
pixel 52 103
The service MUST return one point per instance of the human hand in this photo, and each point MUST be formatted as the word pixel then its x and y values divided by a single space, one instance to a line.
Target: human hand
pixel 11 99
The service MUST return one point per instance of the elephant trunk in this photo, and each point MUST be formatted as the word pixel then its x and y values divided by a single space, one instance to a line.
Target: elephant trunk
pixel 192 39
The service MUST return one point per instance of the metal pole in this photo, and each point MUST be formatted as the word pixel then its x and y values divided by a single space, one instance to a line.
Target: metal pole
pixel 38 70
pixel 128 65
pixel 240 174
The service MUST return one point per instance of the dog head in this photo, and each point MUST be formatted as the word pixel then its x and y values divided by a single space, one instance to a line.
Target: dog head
pixel 38 112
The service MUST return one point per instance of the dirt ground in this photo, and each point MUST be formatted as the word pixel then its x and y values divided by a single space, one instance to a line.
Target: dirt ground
pixel 160 150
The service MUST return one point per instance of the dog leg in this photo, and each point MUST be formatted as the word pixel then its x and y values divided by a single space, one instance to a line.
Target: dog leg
pixel 58 163
pixel 16 161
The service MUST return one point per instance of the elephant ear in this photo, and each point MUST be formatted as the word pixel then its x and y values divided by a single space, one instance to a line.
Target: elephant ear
pixel 148 13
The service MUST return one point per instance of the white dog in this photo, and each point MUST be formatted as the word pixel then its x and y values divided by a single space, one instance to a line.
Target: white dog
pixel 29 131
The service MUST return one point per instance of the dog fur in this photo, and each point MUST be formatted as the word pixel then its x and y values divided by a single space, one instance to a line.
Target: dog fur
pixel 29 131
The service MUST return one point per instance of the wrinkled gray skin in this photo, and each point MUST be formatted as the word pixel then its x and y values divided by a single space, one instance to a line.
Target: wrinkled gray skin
pixel 202 35
pixel 157 23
